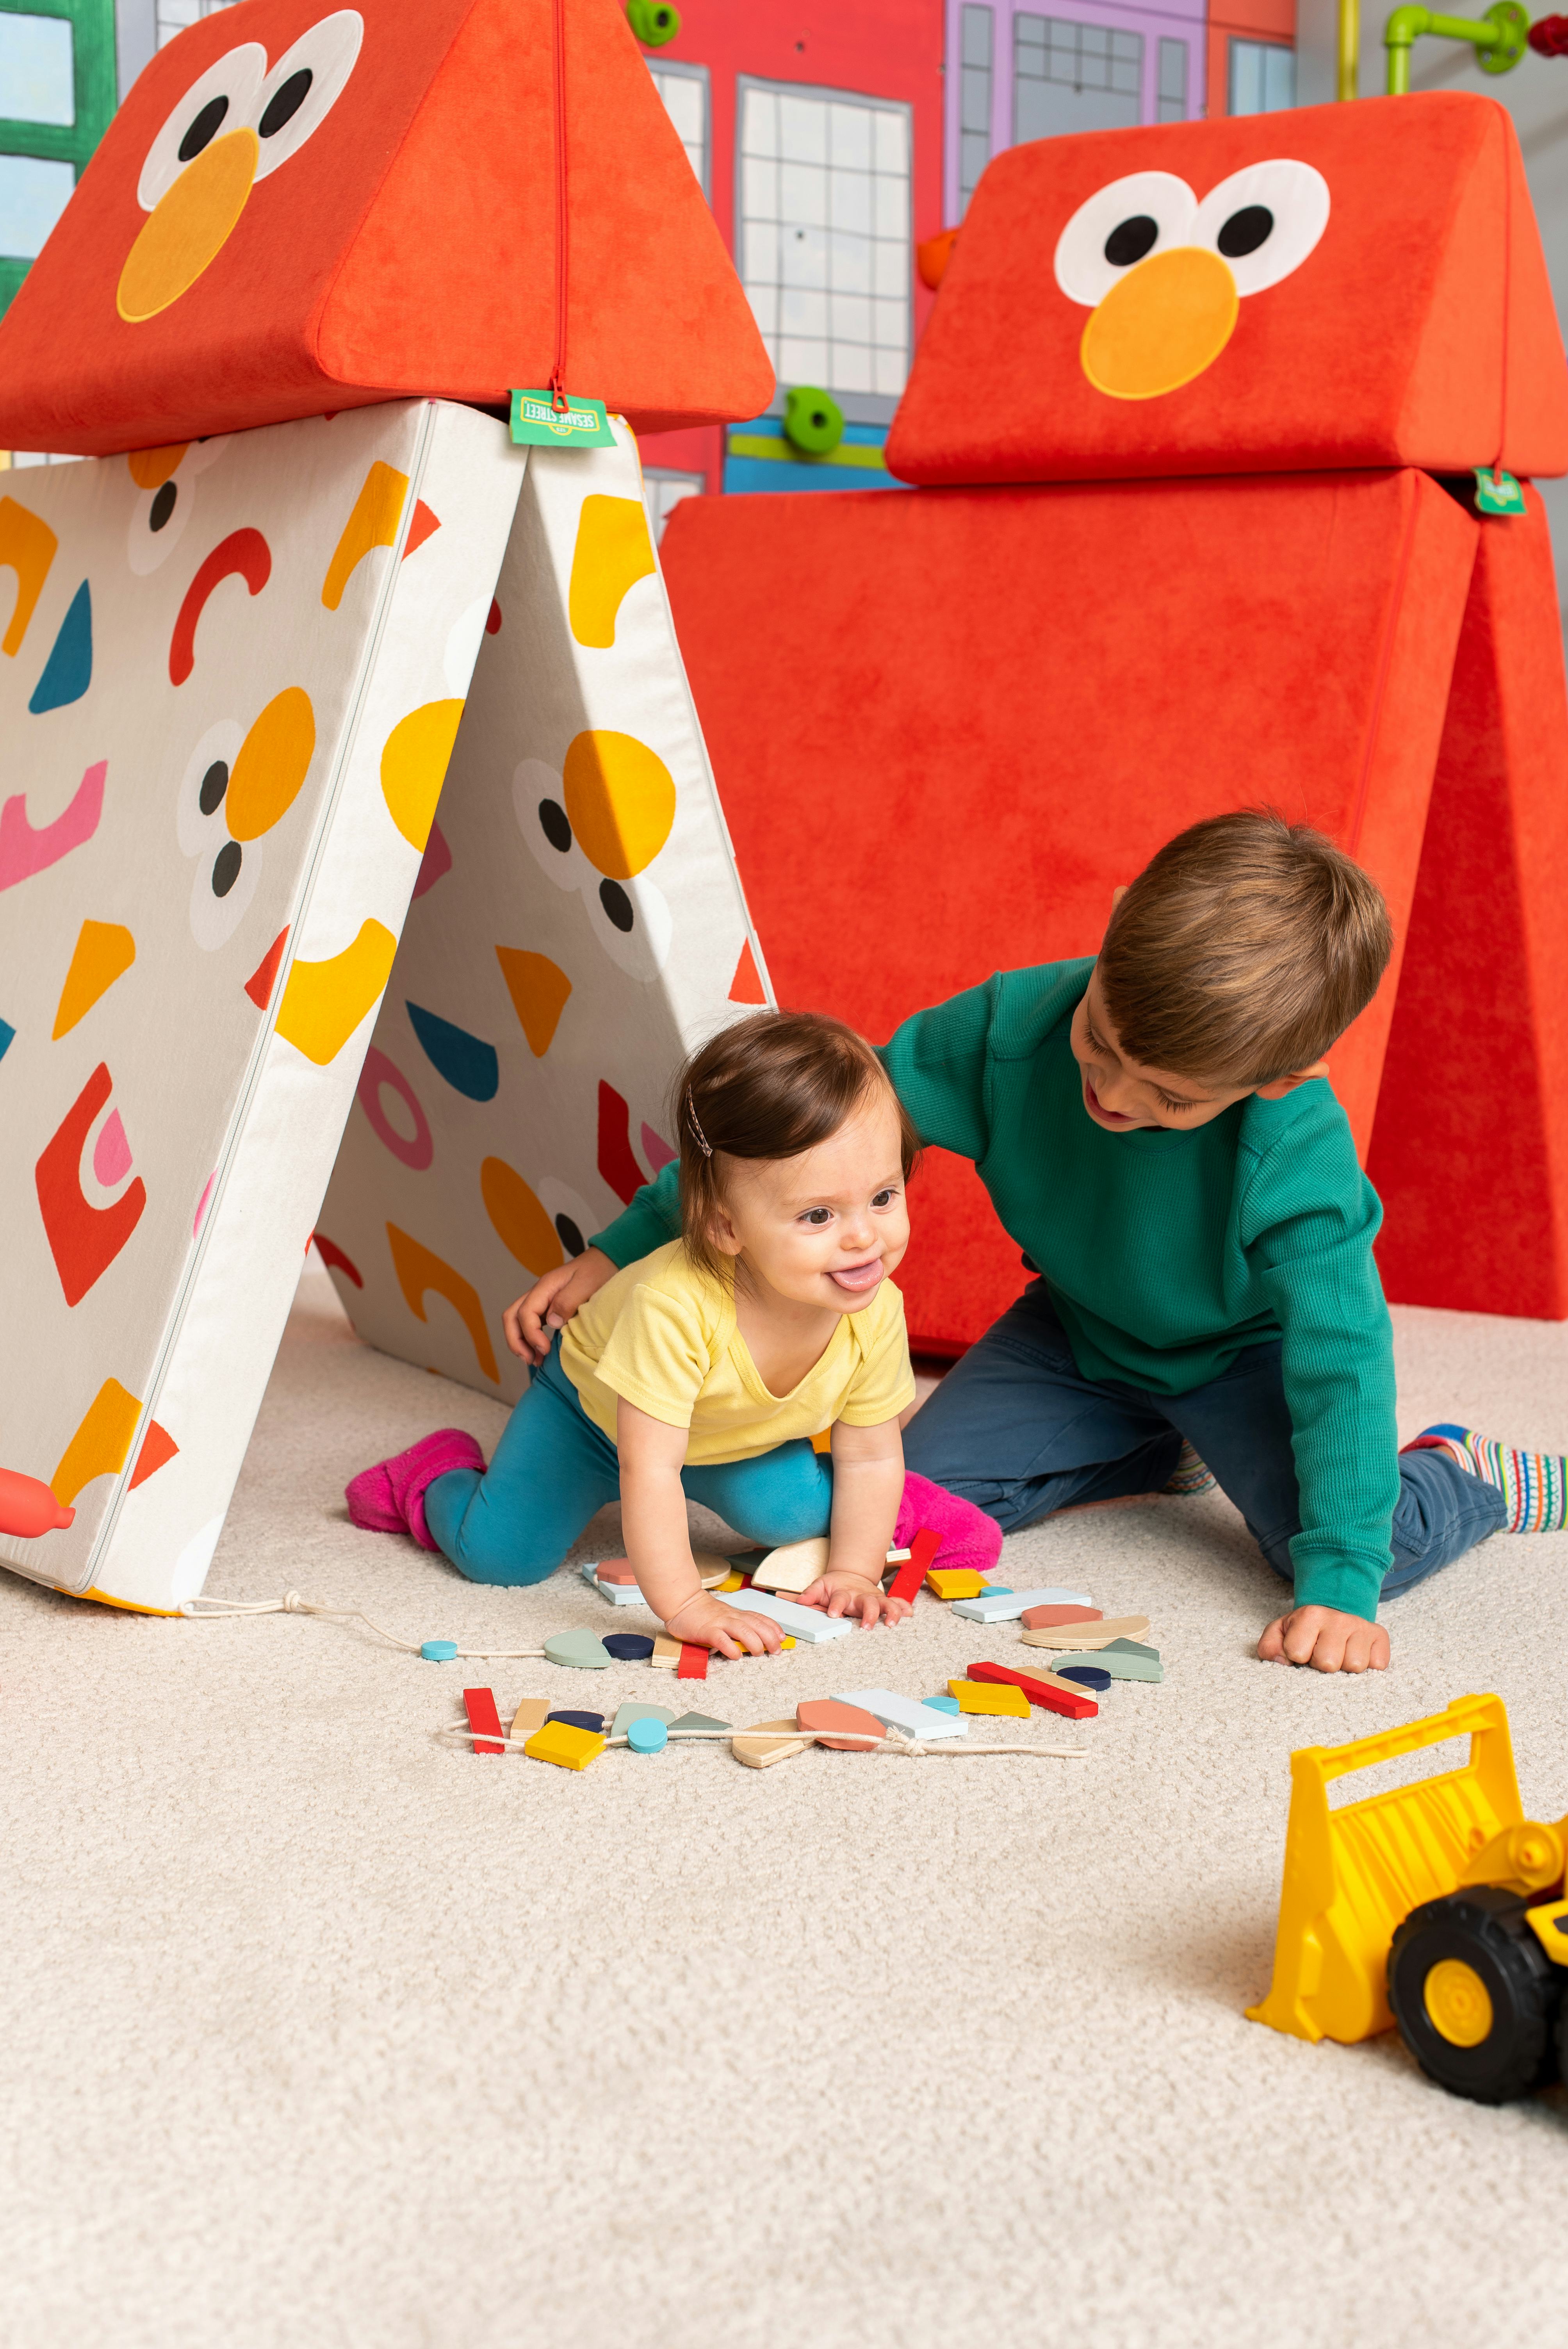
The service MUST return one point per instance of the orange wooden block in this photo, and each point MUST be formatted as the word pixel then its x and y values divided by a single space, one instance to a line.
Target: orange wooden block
pixel 824 1713
pixel 1041 1619
pixel 613 1570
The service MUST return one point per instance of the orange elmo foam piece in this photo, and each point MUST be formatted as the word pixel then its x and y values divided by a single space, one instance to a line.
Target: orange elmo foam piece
pixel 1087 330
pixel 246 247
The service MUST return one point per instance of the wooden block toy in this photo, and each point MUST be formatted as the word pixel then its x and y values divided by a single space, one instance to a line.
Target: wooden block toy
pixel 990 1696
pixel 824 1713
pixel 1043 1619
pixel 626 1714
pixel 730 1582
pixel 1085 1637
pixel 1088 1676
pixel 619 1585
pixel 712 1570
pixel 584 1651
pixel 666 1653
pixel 943 1703
pixel 1047 1690
pixel 1125 1660
pixel 906 1712
pixel 482 1715
pixel 531 1713
pixel 913 1573
pixel 793 1567
pixel 574 1720
pixel 628 1646
pixel 648 1737
pixel 568 1748
pixel 692 1662
pixel 760 1752
pixel 954 1582
pixel 994 1604
pixel 808 1623
pixel 687 1721
pixel 896 1557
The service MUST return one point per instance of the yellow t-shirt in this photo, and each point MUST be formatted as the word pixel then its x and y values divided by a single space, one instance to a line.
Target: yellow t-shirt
pixel 663 1334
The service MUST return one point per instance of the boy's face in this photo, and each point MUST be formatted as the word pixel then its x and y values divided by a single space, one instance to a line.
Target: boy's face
pixel 1122 1094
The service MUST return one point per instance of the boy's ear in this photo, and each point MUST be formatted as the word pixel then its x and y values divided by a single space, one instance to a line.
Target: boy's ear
pixel 1279 1086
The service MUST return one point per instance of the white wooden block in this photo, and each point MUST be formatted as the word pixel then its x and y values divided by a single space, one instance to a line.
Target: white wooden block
pixel 793 1567
pixel 807 1623
pixel 906 1712
pixel 619 1594
pixel 1007 1605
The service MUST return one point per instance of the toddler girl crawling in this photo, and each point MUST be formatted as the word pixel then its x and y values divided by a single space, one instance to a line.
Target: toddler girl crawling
pixel 703 1370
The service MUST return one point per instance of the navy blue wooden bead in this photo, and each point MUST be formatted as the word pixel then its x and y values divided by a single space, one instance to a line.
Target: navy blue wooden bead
pixel 629 1647
pixel 593 1721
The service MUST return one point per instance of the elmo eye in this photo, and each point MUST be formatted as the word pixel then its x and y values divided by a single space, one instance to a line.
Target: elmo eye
pixel 1119 226
pixel 304 86
pixel 222 98
pixel 1264 220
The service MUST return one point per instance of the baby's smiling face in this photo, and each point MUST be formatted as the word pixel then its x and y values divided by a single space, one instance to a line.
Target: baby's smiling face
pixel 825 1228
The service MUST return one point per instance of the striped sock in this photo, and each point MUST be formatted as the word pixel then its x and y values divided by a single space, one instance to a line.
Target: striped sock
pixel 1534 1484
pixel 1190 1474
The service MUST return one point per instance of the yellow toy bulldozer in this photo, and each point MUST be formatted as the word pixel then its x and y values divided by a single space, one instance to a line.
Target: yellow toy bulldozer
pixel 1437 1907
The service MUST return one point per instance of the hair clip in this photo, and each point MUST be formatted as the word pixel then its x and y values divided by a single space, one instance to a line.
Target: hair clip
pixel 702 1142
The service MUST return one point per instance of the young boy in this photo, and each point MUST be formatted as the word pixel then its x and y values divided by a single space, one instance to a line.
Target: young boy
pixel 1156 1130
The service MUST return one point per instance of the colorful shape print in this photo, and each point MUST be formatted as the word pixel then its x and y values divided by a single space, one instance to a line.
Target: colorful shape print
pixel 264 977
pixel 617 1162
pixel 243 555
pixel 158 1448
pixel 417 1149
pixel 468 1065
pixel 68 671
pixel 330 1253
pixel 104 952
pixel 420 1273
pixel 539 989
pixel 414 766
pixel 27 547
pixel 83 1240
pixel 522 1222
pixel 24 851
pixel 613 552
pixel 377 510
pixel 101 1445
pixel 323 1002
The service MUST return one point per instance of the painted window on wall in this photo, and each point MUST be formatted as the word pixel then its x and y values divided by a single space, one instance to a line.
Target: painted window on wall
pixel 57 90
pixel 1170 99
pixel 662 490
pixel 825 233
pixel 684 89
pixel 1069 75
pixel 1261 77
pixel 978 35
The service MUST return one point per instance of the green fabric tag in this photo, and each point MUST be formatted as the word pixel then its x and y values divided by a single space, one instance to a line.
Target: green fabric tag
pixel 1497 493
pixel 582 424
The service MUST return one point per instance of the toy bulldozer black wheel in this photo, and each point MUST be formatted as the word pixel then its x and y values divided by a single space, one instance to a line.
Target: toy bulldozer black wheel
pixel 1475 1995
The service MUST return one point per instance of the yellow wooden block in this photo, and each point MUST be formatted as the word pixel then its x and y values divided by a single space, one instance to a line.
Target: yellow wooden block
pixel 531 1715
pixel 1082 1638
pixel 558 1741
pixel 955 1582
pixel 730 1582
pixel 990 1696
pixel 666 1653
pixel 760 1752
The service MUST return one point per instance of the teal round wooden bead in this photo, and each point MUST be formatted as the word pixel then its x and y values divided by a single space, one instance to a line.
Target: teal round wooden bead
pixel 440 1651
pixel 647 1736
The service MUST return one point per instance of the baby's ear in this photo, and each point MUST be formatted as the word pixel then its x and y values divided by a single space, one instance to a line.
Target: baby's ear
pixel 1279 1086
pixel 721 1234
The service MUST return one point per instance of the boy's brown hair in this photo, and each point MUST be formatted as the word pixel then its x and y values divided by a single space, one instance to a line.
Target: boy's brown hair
pixel 1242 950
pixel 774 1084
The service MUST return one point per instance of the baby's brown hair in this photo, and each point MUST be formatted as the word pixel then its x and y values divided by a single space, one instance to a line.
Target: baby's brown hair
pixel 1242 950
pixel 774 1084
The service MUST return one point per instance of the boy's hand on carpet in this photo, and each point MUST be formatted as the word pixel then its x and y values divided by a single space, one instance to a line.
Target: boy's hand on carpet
pixel 530 1322
pixel 1326 1640
pixel 706 1622
pixel 850 1594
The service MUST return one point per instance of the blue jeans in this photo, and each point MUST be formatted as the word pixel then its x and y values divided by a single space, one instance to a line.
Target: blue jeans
pixel 1017 1429
pixel 553 1468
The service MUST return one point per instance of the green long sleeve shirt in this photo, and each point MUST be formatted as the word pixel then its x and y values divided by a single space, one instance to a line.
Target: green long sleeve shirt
pixel 1167 1253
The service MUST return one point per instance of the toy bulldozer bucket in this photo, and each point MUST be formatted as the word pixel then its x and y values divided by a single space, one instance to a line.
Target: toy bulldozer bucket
pixel 1352 1875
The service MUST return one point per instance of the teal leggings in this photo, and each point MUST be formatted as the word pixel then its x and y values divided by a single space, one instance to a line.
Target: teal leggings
pixel 553 1468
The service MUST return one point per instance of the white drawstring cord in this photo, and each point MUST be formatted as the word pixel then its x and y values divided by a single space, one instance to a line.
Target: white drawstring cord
pixel 911 1748
pixel 205 1610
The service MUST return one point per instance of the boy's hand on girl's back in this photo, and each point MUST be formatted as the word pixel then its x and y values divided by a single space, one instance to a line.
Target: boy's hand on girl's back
pixel 847 1594
pixel 1326 1640
pixel 530 1322
pixel 706 1622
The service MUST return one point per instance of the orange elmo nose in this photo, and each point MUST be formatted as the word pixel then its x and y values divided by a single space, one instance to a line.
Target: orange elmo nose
pixel 188 227
pixel 1162 325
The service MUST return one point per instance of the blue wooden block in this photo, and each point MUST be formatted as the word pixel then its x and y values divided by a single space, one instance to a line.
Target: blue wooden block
pixel 629 1647
pixel 1092 1676
pixel 443 1651
pixel 593 1721
pixel 648 1737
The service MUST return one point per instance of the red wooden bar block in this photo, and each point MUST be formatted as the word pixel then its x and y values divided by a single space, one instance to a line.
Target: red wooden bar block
pixel 693 1664
pixel 1040 1693
pixel 911 1573
pixel 482 1716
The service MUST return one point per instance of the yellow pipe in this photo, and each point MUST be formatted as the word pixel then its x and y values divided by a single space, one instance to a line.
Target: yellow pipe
pixel 1349 46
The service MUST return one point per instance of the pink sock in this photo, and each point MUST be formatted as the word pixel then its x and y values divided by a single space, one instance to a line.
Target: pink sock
pixel 390 1497
pixel 969 1537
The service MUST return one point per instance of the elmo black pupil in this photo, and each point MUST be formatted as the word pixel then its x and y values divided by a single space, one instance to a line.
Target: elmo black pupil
pixel 1129 240
pixel 284 103
pixel 162 505
pixel 214 783
pixel 226 868
pixel 203 130
pixel 1246 231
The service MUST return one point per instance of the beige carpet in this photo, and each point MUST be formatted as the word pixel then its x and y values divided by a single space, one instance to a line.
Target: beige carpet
pixel 317 2033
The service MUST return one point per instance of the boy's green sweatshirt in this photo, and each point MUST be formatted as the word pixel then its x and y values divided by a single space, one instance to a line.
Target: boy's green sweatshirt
pixel 1167 1253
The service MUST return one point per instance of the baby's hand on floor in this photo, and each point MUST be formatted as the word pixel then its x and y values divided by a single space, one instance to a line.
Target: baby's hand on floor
pixel 706 1622
pixel 850 1594
pixel 1326 1640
